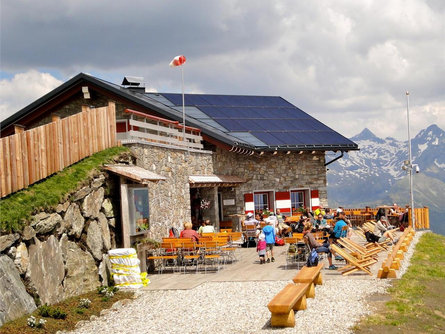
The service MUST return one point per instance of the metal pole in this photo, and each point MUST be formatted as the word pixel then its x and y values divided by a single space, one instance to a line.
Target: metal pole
pixel 183 106
pixel 413 219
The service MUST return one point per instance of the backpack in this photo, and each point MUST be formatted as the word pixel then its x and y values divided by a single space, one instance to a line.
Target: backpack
pixel 279 241
pixel 173 233
pixel 312 259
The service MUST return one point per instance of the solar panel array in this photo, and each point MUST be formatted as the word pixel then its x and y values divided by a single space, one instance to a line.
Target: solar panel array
pixel 268 121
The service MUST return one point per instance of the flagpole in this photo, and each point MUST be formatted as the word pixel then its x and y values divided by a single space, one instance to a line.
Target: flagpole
pixel 183 105
pixel 410 170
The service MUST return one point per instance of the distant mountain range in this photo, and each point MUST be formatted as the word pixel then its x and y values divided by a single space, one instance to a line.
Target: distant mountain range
pixel 374 176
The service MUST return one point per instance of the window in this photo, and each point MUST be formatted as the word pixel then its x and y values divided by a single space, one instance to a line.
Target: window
pixel 261 201
pixel 297 200
pixel 139 209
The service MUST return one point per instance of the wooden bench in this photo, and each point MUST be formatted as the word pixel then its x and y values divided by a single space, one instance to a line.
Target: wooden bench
pixel 310 275
pixel 291 298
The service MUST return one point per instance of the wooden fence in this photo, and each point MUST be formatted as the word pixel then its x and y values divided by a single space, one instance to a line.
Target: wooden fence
pixel 29 156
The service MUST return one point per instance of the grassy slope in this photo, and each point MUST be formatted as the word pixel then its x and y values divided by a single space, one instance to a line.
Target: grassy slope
pixel 17 208
pixel 417 302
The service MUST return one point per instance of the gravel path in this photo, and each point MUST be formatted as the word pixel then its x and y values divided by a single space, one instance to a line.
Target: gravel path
pixel 240 307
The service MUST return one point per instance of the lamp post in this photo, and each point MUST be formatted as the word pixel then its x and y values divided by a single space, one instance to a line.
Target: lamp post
pixel 410 166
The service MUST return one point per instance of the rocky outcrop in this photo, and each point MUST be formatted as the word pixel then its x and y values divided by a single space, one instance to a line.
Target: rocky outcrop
pixel 94 239
pixel 44 223
pixel 74 220
pixel 8 240
pixel 46 270
pixel 92 203
pixel 14 301
pixel 81 271
pixel 59 254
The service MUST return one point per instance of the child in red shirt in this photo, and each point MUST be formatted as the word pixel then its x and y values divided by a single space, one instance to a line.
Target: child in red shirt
pixel 261 248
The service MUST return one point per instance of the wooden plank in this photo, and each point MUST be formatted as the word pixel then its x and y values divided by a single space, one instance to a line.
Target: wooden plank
pixel 100 126
pixel 48 148
pixel 7 165
pixel 19 160
pixel 90 132
pixel 2 170
pixel 71 140
pixel 112 120
pixel 42 153
pixel 13 153
pixel 31 156
pixel 65 136
pixel 94 127
pixel 25 157
pixel 125 212
pixel 83 136
pixel 75 134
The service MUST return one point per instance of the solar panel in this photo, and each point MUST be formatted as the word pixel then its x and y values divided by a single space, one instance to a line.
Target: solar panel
pixel 257 120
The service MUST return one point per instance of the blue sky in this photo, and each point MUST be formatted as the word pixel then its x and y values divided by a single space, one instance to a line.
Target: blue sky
pixel 347 63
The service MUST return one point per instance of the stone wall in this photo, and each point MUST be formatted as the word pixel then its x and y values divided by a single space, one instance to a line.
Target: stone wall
pixel 280 172
pixel 63 252
pixel 170 199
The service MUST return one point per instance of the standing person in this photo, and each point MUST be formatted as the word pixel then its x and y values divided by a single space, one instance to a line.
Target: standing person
pixel 269 233
pixel 261 248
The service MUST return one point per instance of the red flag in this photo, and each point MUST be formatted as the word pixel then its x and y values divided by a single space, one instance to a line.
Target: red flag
pixel 177 61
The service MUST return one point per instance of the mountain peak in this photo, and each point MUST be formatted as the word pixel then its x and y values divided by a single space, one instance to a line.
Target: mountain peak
pixel 366 134
pixel 432 131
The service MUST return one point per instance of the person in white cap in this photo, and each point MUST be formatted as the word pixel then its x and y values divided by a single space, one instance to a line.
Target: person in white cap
pixel 250 219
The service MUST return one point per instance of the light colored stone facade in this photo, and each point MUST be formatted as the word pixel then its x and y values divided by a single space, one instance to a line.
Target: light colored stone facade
pixel 170 199
pixel 280 172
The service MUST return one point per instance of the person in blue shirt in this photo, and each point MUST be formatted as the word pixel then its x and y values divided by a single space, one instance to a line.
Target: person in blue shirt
pixel 338 231
pixel 269 232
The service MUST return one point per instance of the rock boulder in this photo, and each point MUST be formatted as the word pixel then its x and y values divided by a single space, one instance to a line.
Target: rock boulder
pixel 46 270
pixel 14 301
pixel 81 272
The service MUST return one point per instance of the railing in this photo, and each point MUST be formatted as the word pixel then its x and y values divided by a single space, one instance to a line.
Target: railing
pixel 158 130
pixel 359 216
pixel 29 156
pixel 392 262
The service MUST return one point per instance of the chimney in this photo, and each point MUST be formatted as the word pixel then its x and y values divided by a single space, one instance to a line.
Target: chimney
pixel 135 84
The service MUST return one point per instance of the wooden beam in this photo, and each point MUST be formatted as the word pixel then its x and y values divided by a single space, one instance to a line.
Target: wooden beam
pixel 18 128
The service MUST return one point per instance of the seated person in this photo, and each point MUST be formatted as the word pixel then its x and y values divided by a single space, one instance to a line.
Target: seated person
pixel 297 227
pixel 371 237
pixel 328 214
pixel 281 227
pixel 250 220
pixel 206 227
pixel 188 232
pixel 338 232
pixel 314 244
pixel 320 222
pixel 381 229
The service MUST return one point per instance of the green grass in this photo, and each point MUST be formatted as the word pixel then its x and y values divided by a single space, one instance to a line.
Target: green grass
pixel 16 209
pixel 74 313
pixel 417 302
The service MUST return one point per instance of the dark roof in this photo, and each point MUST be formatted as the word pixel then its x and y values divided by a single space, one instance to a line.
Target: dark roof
pixel 258 121
pixel 255 122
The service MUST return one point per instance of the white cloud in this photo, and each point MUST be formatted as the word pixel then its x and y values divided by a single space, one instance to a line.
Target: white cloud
pixel 347 63
pixel 24 88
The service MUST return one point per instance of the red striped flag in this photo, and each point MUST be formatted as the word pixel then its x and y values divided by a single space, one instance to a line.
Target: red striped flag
pixel 177 61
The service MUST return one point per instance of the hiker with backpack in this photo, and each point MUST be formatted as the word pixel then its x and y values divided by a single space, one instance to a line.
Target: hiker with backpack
pixel 314 244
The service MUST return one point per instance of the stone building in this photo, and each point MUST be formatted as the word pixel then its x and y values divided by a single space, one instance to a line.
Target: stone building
pixel 237 154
